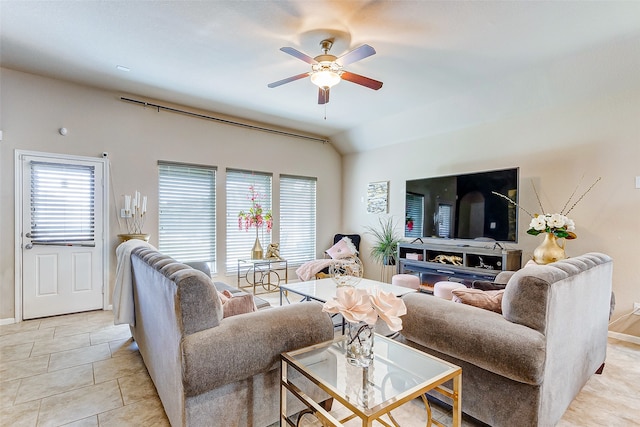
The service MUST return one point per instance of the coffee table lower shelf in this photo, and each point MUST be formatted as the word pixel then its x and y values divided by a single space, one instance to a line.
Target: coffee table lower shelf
pixel 397 375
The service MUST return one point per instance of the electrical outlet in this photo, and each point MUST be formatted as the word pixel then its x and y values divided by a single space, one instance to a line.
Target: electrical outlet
pixel 125 213
pixel 636 308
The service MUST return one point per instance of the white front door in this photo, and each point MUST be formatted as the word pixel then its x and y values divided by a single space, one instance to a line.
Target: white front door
pixel 62 235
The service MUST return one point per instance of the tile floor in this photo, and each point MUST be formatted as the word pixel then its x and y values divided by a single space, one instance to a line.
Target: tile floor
pixel 81 370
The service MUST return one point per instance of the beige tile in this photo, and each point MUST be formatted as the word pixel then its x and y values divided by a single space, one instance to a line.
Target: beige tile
pixel 24 368
pixel 123 347
pixel 48 384
pixel 15 352
pixel 27 325
pixel 118 367
pixel 148 412
pixel 113 333
pixel 137 387
pixel 60 344
pixel 65 319
pixel 26 337
pixel 25 415
pixel 78 404
pixel 85 422
pixel 68 330
pixel 79 356
pixel 8 391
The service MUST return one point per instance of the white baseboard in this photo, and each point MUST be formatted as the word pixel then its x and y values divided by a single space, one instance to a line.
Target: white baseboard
pixel 624 337
pixel 9 321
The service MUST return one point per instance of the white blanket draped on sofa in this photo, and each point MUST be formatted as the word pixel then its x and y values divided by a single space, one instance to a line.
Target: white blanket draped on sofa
pixel 122 299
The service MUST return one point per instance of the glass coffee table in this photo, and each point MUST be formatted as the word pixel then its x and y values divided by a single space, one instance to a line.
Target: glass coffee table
pixel 397 375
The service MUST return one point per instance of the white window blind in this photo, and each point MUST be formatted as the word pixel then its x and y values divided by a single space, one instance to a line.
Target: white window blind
pixel 62 204
pixel 297 219
pixel 240 241
pixel 187 212
pixel 444 221
pixel 415 211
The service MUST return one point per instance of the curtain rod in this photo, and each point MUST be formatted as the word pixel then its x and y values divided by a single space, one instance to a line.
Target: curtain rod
pixel 225 121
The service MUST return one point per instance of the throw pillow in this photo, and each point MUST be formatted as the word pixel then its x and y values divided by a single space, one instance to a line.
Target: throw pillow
pixel 489 300
pixel 232 305
pixel 343 249
pixel 485 285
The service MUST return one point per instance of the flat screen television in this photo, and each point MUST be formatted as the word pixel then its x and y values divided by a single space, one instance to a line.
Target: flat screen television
pixel 463 206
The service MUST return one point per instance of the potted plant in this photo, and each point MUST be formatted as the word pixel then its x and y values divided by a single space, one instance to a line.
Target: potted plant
pixel 386 242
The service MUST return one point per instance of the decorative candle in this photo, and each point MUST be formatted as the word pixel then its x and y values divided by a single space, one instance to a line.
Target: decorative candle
pixel 127 202
pixel 144 204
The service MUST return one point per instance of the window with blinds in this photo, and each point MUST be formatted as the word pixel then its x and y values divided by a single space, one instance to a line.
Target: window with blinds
pixel 414 221
pixel 444 221
pixel 238 188
pixel 62 204
pixel 187 212
pixel 297 219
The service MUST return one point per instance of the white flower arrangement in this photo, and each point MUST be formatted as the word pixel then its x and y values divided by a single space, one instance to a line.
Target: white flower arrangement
pixel 359 305
pixel 557 224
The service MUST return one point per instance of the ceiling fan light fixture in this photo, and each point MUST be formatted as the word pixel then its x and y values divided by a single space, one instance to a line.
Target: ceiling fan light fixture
pixel 325 78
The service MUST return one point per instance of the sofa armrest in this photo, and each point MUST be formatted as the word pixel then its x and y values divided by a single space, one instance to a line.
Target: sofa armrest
pixel 480 337
pixel 245 345
pixel 503 277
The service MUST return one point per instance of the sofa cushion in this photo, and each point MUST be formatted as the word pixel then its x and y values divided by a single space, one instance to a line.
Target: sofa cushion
pixel 235 304
pixel 488 300
pixel 480 337
pixel 486 285
pixel 243 346
pixel 343 249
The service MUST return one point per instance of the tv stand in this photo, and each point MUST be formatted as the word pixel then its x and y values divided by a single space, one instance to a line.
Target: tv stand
pixel 434 262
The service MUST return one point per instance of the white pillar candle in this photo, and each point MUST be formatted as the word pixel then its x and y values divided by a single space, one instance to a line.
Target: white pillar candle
pixel 144 204
pixel 127 202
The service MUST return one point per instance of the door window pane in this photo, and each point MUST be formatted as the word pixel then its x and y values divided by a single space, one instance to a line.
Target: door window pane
pixel 62 203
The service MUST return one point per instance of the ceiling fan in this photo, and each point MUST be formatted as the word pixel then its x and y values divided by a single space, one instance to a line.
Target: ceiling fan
pixel 327 70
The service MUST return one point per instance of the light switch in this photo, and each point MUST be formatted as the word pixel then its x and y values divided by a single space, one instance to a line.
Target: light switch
pixel 637 181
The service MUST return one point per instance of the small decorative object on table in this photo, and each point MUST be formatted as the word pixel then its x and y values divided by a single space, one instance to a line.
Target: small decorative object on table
pixel 255 217
pixel 134 212
pixel 346 271
pixel 273 251
pixel 361 310
pixel 555 226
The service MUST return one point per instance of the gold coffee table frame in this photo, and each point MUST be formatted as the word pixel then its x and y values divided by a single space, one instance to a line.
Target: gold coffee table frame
pixel 405 361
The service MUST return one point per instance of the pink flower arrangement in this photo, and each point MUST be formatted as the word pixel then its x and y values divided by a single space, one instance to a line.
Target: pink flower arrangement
pixel 256 216
pixel 360 305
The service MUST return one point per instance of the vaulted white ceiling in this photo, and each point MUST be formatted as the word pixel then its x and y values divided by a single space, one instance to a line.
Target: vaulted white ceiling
pixel 444 64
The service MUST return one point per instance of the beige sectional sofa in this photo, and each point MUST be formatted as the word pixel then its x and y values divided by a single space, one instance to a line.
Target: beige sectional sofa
pixel 209 370
pixel 522 367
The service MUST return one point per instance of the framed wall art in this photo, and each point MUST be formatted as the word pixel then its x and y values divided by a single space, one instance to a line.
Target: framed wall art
pixel 377 197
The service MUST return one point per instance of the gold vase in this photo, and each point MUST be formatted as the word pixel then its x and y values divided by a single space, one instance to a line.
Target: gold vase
pixel 256 251
pixel 549 250
pixel 130 236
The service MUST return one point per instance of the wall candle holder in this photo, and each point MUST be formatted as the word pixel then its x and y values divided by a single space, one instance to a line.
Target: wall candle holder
pixel 134 212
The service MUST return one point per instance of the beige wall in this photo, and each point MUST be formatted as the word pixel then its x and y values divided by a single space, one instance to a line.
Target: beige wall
pixel 554 148
pixel 34 108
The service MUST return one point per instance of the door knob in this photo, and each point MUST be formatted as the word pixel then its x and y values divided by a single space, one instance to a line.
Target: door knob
pixel 28 246
pixel 28 235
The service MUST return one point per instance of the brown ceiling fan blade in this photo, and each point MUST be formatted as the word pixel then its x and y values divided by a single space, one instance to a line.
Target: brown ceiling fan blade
pixel 289 79
pixel 356 55
pixel 303 56
pixel 323 96
pixel 361 80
